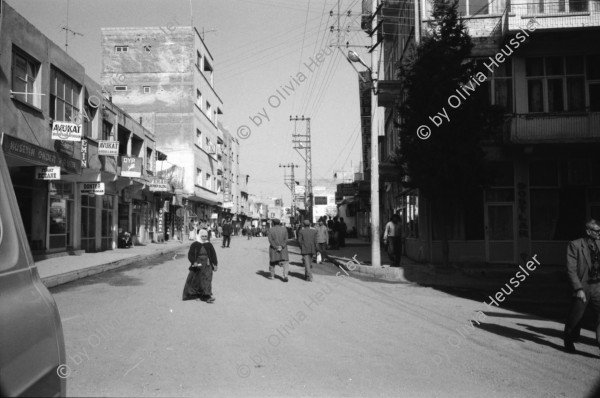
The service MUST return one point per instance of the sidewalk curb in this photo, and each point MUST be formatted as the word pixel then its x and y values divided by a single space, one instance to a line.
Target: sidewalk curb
pixel 61 279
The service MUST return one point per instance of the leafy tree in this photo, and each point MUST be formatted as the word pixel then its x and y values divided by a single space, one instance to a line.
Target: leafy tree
pixel 448 166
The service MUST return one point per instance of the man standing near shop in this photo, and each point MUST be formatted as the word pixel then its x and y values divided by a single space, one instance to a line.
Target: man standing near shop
pixel 278 252
pixel 392 238
pixel 227 230
pixel 583 269
pixel 307 238
pixel 322 238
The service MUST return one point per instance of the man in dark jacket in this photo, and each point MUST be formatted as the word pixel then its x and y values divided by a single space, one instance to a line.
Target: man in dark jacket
pixel 227 230
pixel 307 237
pixel 278 252
pixel 583 269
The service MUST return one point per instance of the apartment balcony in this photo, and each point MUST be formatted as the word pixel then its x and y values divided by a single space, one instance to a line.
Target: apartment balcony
pixel 555 128
pixel 550 15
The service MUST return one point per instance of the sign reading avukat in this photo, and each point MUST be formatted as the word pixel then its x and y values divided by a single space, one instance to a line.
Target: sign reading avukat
pixel 66 131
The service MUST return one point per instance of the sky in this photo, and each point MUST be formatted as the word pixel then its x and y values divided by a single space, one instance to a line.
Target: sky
pixel 266 70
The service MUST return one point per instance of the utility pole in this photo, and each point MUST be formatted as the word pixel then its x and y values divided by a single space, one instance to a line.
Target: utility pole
pixel 290 182
pixel 302 141
pixel 374 163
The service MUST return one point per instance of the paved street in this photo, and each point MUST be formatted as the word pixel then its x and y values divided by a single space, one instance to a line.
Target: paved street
pixel 129 334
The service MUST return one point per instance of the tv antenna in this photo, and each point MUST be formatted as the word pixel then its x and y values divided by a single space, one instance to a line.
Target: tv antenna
pixel 68 31
pixel 206 31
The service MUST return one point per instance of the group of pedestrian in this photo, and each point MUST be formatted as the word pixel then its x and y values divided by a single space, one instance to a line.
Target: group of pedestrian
pixel 336 230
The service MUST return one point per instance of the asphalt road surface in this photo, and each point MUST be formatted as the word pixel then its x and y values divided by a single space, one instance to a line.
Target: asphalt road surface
pixel 128 333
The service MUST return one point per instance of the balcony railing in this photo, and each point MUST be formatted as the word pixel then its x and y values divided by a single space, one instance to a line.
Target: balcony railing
pixel 554 128
pixel 554 14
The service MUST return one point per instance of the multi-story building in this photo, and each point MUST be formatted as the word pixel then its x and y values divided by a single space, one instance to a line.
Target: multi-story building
pixel 80 165
pixel 165 76
pixel 543 69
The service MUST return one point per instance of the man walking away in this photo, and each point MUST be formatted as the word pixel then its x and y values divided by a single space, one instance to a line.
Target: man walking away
pixel 322 238
pixel 307 238
pixel 278 252
pixel 392 238
pixel 227 230
pixel 583 269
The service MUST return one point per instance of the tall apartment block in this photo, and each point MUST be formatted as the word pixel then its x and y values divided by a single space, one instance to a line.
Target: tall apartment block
pixel 165 78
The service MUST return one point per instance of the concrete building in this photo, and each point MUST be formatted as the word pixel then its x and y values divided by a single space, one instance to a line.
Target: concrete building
pixel 546 78
pixel 165 76
pixel 80 165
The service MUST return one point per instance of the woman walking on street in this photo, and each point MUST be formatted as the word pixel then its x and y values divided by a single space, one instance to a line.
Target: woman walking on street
pixel 203 260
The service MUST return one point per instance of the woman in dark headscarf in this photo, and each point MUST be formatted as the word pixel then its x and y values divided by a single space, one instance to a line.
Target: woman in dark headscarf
pixel 203 260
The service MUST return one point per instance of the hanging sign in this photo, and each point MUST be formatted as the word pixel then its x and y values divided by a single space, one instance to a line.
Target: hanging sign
pixel 47 173
pixel 93 188
pixel 131 167
pixel 158 185
pixel 108 148
pixel 66 131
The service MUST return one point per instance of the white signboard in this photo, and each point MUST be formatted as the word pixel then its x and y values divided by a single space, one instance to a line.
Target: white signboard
pixel 108 148
pixel 47 173
pixel 94 188
pixel 158 185
pixel 66 131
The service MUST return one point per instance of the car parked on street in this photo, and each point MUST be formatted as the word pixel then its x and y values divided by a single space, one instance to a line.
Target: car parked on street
pixel 32 347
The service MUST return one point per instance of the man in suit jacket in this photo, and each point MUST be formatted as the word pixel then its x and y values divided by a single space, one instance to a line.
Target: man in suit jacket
pixel 308 248
pixel 278 252
pixel 583 268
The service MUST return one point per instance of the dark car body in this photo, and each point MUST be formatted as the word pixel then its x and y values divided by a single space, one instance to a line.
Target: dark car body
pixel 31 337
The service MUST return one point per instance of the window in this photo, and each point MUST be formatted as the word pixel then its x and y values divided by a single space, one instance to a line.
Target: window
pixel 593 78
pixel 149 162
pixel 198 59
pixel 208 69
pixel 208 110
pixel 146 89
pixel 555 84
pixel 199 99
pixel 120 88
pixel 207 147
pixel 199 138
pixel 64 97
pixel 25 82
pixel 199 177
pixel 121 49
pixel 208 181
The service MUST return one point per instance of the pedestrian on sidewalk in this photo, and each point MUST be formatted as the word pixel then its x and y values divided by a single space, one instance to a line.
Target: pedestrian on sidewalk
pixel 322 239
pixel 278 252
pixel 227 230
pixel 249 232
pixel 583 269
pixel 203 262
pixel 307 238
pixel 392 239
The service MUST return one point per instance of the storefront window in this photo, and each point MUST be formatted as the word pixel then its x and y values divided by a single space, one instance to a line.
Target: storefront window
pixel 88 223
pixel 107 222
pixel 60 215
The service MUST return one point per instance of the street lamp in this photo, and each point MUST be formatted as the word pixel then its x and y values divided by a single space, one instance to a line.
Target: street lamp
pixel 374 163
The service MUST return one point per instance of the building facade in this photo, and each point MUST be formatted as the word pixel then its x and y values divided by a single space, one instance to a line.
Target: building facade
pixel 81 166
pixel 165 76
pixel 543 71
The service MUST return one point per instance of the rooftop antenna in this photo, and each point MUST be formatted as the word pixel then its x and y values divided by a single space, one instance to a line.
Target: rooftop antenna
pixel 207 31
pixel 67 30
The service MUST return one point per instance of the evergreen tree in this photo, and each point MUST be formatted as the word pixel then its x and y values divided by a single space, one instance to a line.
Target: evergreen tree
pixel 448 166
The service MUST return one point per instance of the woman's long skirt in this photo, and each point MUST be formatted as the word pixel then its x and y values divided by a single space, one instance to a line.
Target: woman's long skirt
pixel 198 283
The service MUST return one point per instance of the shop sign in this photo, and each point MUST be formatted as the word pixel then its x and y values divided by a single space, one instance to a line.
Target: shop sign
pixel 92 188
pixel 346 189
pixel 108 148
pixel 228 205
pixel 47 173
pixel 214 216
pixel 158 185
pixel 131 167
pixel 161 216
pixel 66 131
pixel 23 149
pixel 84 153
